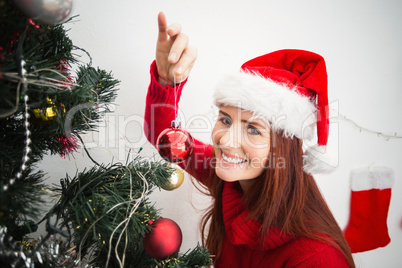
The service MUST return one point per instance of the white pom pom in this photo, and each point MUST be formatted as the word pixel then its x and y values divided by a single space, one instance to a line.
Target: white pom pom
pixel 318 160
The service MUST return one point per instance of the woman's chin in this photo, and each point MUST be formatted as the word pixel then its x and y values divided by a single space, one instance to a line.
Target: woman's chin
pixel 227 174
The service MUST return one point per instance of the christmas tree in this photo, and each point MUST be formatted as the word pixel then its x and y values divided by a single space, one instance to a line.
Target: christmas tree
pixel 102 216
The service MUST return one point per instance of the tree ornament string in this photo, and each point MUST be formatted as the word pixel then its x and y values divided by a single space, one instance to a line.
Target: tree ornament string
pixel 174 144
pixel 176 122
pixel 175 98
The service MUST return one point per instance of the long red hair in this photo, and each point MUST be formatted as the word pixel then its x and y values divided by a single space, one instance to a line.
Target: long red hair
pixel 285 188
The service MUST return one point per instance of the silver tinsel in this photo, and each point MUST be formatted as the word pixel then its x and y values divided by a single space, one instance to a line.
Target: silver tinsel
pixel 49 252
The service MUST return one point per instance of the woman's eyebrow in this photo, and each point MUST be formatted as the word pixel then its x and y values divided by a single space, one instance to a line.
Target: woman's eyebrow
pixel 244 121
pixel 253 123
pixel 222 112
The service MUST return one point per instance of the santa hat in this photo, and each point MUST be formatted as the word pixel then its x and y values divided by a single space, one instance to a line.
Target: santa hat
pixel 288 88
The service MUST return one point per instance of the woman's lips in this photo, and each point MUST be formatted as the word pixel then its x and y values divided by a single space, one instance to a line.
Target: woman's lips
pixel 233 157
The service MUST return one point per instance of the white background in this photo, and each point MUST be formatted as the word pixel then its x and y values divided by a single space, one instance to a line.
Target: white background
pixel 360 40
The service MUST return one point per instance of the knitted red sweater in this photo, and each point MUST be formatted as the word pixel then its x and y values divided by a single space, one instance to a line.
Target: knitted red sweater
pixel 242 244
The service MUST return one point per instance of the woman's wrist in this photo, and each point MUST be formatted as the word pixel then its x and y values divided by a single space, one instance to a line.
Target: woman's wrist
pixel 163 82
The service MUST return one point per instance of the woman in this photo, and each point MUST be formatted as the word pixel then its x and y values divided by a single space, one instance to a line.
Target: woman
pixel 267 209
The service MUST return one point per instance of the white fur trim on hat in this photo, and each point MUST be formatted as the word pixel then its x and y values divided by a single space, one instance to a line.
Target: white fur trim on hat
pixel 282 107
pixel 371 178
pixel 318 159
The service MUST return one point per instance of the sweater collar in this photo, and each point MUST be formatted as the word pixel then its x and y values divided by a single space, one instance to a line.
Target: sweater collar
pixel 243 231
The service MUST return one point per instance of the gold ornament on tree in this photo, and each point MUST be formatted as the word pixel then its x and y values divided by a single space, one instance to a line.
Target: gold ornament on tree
pixel 175 180
pixel 46 114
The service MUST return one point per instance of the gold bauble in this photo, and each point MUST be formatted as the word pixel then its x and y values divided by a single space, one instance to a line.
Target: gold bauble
pixel 175 180
pixel 46 114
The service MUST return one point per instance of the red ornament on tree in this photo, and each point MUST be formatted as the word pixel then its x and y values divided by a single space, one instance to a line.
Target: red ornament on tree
pixel 175 144
pixel 163 240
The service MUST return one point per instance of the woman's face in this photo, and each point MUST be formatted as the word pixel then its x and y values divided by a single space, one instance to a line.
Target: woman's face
pixel 241 145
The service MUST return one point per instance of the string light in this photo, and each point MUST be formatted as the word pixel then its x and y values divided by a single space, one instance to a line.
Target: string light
pixel 134 203
pixel 138 201
pixel 378 133
pixel 41 81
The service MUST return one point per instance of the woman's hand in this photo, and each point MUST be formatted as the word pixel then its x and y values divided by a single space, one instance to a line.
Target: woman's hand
pixel 174 56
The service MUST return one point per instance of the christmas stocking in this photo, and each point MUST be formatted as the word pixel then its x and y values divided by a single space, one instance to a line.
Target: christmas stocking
pixel 371 193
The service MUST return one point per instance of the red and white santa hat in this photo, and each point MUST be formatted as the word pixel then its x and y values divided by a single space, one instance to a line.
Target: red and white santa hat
pixel 288 88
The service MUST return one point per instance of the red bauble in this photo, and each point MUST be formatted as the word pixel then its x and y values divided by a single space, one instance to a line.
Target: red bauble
pixel 163 240
pixel 175 144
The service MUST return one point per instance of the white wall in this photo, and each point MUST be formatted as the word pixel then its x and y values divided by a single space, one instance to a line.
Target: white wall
pixel 360 41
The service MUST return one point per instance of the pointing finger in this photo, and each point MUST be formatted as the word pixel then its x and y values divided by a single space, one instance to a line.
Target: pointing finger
pixel 162 25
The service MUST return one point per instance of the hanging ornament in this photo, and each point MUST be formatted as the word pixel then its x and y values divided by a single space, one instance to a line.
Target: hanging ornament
pixel 46 11
pixel 175 180
pixel 48 113
pixel 175 144
pixel 164 239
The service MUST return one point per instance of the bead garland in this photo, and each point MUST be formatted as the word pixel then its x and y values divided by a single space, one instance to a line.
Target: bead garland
pixel 28 141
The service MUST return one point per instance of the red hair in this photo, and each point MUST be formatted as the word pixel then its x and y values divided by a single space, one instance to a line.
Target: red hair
pixel 277 189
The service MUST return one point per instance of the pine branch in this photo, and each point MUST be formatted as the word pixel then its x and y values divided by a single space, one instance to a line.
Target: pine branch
pixel 48 54
pixel 104 208
pixel 96 201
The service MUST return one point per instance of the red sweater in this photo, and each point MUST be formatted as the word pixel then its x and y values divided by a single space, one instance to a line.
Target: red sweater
pixel 242 245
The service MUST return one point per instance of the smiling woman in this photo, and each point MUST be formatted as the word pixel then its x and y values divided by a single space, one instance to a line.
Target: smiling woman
pixel 241 146
pixel 262 215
